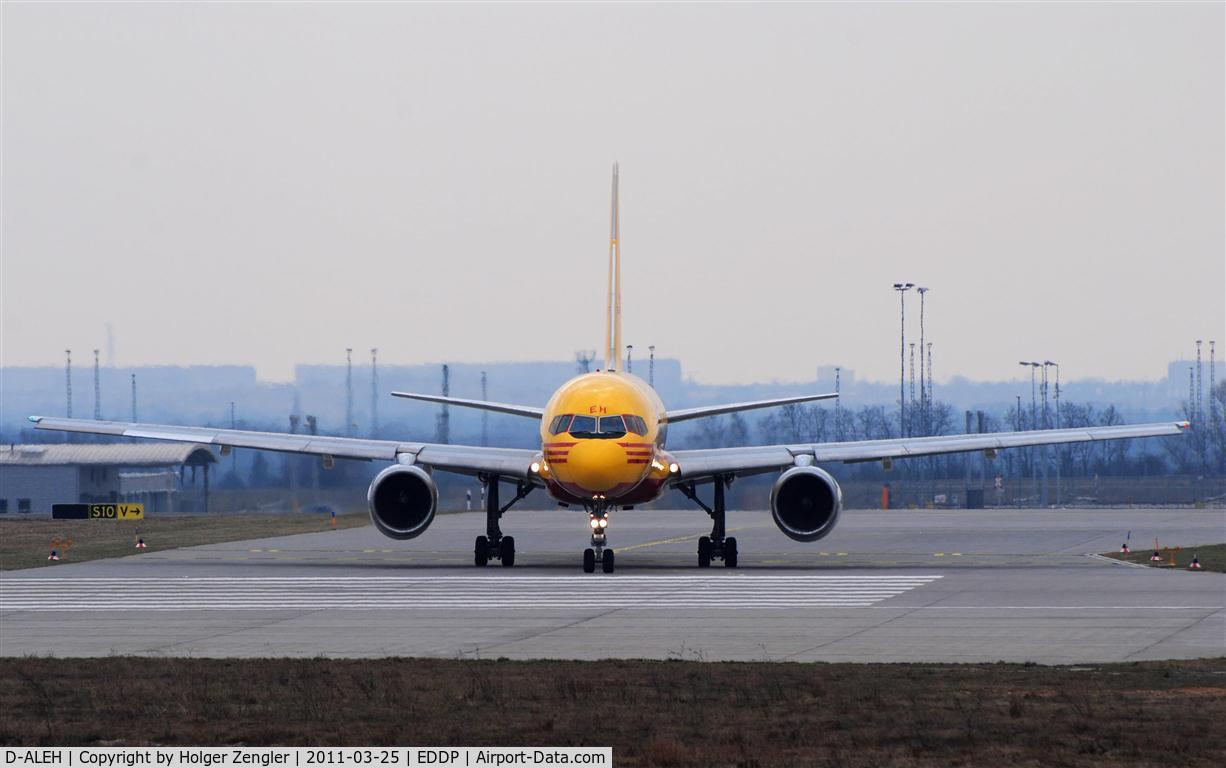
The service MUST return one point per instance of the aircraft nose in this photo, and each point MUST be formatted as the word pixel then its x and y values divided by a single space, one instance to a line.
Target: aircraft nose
pixel 596 465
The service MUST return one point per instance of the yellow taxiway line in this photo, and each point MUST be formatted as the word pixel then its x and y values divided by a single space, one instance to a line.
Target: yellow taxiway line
pixel 676 540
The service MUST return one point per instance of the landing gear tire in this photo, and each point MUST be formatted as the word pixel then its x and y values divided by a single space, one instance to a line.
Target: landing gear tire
pixel 606 561
pixel 506 551
pixel 589 560
pixel 730 552
pixel 704 552
pixel 481 551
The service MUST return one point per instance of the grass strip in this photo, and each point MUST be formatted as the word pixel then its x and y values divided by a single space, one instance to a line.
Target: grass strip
pixel 27 543
pixel 666 713
pixel 1212 557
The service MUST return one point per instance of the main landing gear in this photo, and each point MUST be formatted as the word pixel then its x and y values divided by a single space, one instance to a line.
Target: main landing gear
pixel 598 519
pixel 716 546
pixel 493 545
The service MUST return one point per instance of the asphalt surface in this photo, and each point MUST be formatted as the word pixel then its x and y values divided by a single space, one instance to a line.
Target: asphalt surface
pixel 949 586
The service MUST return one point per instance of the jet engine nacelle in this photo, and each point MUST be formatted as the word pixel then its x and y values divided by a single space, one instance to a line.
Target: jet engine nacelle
pixel 402 501
pixel 805 503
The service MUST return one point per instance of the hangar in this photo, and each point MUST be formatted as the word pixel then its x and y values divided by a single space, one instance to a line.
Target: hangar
pixel 162 476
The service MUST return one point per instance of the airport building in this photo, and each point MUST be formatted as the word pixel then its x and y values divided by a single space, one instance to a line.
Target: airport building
pixel 165 477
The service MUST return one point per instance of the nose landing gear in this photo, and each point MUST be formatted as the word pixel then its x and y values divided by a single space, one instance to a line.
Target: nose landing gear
pixel 598 519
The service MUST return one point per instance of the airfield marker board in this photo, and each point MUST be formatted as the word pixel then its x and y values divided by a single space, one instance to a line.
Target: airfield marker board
pixel 98 511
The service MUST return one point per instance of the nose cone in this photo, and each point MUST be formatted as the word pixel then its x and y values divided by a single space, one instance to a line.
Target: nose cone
pixel 597 466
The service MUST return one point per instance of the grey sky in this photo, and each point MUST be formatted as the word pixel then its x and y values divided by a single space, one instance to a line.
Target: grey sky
pixel 270 183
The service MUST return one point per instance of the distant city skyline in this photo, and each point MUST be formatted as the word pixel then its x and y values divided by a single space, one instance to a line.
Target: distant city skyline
pixel 821 372
pixel 271 183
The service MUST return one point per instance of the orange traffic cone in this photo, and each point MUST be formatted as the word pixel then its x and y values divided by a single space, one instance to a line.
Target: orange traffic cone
pixel 1195 564
pixel 1156 557
pixel 54 555
pixel 1124 550
pixel 140 543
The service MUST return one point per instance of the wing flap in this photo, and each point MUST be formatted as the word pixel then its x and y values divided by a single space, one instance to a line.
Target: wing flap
pixel 741 461
pixel 472 460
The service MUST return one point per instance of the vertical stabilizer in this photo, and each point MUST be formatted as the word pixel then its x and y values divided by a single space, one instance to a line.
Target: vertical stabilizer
pixel 613 308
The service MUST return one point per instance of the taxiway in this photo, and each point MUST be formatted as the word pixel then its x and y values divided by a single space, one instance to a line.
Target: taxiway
pixel 906 585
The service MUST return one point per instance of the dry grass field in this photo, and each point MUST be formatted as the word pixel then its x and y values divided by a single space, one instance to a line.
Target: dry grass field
pixel 26 543
pixel 669 713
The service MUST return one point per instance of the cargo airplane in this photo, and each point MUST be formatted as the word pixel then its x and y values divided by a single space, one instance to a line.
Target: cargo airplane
pixel 603 449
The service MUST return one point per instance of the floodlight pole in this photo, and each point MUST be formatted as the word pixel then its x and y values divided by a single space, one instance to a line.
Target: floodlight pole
pixel 349 391
pixel 1034 415
pixel 68 379
pixel 1059 448
pixel 374 392
pixel 1043 448
pixel 923 395
pixel 902 289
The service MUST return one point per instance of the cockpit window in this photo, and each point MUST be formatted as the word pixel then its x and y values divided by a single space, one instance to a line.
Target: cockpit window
pixel 612 426
pixel 607 427
pixel 583 426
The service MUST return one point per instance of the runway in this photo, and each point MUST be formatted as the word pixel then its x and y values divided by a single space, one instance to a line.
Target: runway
pixel 1012 585
pixel 479 592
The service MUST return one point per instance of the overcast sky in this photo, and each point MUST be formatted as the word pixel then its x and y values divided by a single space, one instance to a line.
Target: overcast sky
pixel 268 184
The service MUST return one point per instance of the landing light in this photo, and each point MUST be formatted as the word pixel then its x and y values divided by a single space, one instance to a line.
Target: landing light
pixel 536 467
pixel 674 467
pixel 604 522
pixel 594 522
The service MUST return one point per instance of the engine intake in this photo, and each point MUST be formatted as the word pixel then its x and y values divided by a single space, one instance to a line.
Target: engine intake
pixel 805 503
pixel 402 501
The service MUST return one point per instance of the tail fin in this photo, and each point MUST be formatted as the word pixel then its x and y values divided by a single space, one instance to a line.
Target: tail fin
pixel 613 309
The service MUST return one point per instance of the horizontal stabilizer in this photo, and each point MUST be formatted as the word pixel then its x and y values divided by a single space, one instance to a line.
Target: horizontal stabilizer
pixel 484 405
pixel 685 414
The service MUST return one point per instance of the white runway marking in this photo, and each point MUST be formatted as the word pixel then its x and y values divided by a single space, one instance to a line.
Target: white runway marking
pixel 597 591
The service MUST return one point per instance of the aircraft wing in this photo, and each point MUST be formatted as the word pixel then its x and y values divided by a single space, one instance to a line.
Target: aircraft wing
pixel 685 414
pixel 755 459
pixel 530 411
pixel 462 459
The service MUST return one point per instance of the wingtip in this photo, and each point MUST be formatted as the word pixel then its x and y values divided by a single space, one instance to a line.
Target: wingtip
pixel 34 419
pixel 1184 424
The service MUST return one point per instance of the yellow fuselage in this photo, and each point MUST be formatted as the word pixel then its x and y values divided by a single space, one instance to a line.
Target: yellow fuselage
pixel 602 440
